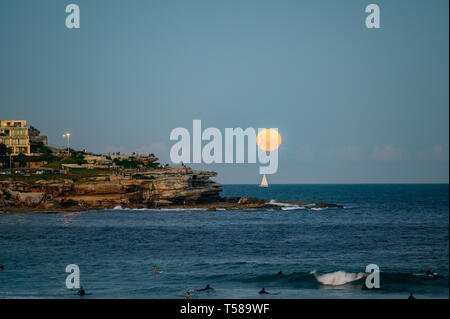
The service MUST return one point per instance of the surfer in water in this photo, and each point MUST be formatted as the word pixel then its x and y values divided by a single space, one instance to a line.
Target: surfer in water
pixel 431 273
pixel 263 291
pixel 155 271
pixel 411 296
pixel 187 295
pixel 207 288
pixel 81 292
pixel 1 267
pixel 280 272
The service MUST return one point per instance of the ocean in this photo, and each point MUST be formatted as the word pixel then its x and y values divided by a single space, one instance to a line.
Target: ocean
pixel 403 229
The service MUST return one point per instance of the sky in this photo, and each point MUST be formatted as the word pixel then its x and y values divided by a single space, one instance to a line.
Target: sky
pixel 352 104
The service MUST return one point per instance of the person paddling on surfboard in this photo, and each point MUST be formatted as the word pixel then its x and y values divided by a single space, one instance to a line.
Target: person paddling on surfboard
pixel 81 292
pixel 431 273
pixel 208 287
pixel 155 271
pixel 263 291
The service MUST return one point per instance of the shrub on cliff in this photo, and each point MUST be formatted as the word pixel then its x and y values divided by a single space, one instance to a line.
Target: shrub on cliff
pixel 127 163
pixel 4 153
pixel 74 159
pixel 152 165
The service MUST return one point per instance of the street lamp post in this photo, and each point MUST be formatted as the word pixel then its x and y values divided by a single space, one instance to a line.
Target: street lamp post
pixel 67 135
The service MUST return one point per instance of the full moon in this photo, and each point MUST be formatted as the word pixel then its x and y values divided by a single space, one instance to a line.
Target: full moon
pixel 268 140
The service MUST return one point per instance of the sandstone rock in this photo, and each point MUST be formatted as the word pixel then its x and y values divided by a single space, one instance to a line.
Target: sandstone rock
pixel 67 202
pixel 93 188
pixel 31 199
pixel 54 187
pixel 49 204
pixel 9 203
pixel 13 194
pixel 251 200
pixel 231 199
pixel 162 202
pixel 153 188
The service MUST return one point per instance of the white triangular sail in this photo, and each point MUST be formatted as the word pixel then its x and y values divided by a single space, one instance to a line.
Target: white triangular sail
pixel 264 182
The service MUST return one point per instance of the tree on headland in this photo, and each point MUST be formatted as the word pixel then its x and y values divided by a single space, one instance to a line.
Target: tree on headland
pixel 4 153
pixel 3 149
pixel 22 159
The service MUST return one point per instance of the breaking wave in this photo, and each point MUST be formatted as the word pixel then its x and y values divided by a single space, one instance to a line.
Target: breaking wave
pixel 337 278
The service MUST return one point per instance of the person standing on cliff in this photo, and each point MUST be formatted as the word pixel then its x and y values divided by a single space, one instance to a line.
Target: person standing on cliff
pixel 184 167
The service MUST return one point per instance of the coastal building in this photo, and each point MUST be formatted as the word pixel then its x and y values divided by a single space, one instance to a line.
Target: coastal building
pixel 14 134
pixel 36 137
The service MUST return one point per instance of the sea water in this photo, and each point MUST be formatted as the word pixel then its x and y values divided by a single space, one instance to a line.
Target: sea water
pixel 323 253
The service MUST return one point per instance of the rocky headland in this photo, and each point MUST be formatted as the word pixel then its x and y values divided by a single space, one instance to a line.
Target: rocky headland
pixel 156 188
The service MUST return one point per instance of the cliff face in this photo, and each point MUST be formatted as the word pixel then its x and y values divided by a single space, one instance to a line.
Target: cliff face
pixel 154 188
pixel 150 189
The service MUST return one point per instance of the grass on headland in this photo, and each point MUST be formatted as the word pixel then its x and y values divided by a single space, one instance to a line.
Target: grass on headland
pixel 75 174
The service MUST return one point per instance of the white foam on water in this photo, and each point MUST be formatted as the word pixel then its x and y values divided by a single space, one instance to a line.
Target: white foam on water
pixel 274 202
pixel 337 278
pixel 286 206
pixel 295 207
pixel 350 207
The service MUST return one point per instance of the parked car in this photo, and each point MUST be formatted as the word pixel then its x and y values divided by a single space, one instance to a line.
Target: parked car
pixel 21 172
pixel 57 171
pixel 5 172
pixel 40 172
pixel 48 171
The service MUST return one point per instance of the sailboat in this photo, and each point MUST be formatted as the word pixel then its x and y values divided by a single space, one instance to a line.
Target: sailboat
pixel 264 182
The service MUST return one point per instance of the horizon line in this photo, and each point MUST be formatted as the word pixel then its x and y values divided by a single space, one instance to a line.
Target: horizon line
pixel 381 183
